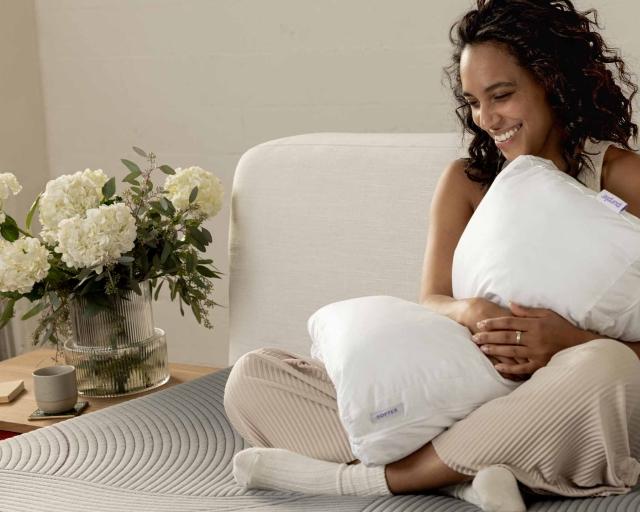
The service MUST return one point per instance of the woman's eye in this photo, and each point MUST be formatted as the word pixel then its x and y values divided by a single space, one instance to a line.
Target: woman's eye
pixel 502 96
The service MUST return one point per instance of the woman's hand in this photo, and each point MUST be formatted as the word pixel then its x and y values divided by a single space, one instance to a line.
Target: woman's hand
pixel 543 334
pixel 477 309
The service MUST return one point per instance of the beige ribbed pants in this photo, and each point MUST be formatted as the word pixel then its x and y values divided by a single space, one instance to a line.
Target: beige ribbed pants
pixel 572 429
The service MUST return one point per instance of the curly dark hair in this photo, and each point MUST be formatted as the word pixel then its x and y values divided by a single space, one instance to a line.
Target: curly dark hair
pixel 565 54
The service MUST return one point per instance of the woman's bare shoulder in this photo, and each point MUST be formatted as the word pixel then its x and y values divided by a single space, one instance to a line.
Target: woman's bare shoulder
pixel 621 176
pixel 456 181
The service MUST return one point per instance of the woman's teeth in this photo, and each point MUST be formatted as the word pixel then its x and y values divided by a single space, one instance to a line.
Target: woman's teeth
pixel 507 135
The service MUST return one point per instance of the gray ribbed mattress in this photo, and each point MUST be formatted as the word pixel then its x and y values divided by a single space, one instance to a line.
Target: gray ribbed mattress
pixel 171 451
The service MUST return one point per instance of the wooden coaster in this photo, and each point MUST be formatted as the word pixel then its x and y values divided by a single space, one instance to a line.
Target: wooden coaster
pixel 41 415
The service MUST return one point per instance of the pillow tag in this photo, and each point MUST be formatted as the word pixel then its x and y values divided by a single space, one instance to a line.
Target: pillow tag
pixel 391 412
pixel 611 200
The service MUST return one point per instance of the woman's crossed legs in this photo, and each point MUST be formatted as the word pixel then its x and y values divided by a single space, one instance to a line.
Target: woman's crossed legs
pixel 279 399
pixel 538 432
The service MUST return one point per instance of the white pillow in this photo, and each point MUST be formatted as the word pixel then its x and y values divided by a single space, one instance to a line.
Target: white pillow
pixel 402 373
pixel 542 239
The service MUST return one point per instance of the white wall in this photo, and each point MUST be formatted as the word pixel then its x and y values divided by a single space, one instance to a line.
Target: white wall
pixel 199 82
pixel 22 129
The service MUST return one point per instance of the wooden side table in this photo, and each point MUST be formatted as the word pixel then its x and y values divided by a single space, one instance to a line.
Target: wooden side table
pixel 13 415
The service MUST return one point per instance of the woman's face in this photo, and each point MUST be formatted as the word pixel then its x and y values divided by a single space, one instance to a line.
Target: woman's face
pixel 508 104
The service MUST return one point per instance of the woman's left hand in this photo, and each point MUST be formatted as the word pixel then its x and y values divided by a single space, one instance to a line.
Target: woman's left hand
pixel 543 334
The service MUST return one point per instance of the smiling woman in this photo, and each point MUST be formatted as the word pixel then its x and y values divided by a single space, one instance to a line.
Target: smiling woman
pixel 534 77
pixel 508 104
pixel 531 77
pixel 544 65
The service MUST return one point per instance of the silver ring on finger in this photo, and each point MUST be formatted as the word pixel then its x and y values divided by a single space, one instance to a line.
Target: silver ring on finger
pixel 518 337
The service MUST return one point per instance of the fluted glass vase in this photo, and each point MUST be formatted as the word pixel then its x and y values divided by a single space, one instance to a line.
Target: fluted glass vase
pixel 117 351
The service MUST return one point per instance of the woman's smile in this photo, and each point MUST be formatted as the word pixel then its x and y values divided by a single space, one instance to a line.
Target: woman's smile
pixel 505 138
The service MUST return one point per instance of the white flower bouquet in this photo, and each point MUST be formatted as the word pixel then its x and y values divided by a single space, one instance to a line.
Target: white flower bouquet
pixel 97 244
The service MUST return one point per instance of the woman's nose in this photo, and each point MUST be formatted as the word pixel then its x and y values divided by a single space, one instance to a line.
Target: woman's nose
pixel 488 118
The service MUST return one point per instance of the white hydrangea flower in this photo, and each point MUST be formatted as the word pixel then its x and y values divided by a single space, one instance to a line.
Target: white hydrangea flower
pixel 8 185
pixel 68 196
pixel 22 264
pixel 99 238
pixel 178 187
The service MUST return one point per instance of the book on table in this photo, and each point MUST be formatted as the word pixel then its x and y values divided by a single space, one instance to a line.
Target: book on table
pixel 10 390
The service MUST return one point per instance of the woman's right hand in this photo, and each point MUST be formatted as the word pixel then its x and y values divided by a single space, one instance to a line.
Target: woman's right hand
pixel 476 309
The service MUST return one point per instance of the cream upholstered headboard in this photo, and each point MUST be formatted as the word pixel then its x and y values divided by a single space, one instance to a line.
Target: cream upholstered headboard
pixel 323 217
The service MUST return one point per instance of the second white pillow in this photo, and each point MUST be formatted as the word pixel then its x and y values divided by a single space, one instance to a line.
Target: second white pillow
pixel 402 373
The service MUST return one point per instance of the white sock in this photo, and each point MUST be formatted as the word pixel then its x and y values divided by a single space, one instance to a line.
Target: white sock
pixel 463 492
pixel 282 470
pixel 494 489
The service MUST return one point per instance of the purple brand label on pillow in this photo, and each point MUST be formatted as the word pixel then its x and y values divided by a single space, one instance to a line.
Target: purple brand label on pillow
pixel 391 412
pixel 611 200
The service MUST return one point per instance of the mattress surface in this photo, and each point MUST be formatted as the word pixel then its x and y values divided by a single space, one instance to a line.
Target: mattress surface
pixel 171 451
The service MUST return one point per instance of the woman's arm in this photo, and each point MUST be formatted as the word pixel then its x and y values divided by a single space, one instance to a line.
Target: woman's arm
pixel 452 206
pixel 583 336
pixel 633 345
pixel 451 209
pixel 621 176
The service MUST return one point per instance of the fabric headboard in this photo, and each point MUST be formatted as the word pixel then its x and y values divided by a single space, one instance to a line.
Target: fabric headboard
pixel 323 217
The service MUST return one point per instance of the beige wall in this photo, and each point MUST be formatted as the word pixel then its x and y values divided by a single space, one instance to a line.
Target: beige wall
pixel 22 128
pixel 199 82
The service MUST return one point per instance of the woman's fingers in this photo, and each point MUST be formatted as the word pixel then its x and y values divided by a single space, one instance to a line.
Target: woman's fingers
pixel 512 351
pixel 501 338
pixel 504 360
pixel 511 376
pixel 501 323
pixel 509 361
pixel 518 369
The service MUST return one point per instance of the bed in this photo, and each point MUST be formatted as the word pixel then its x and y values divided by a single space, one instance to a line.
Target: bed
pixel 315 218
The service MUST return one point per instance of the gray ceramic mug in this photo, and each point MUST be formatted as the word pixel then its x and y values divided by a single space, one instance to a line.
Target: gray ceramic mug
pixel 55 388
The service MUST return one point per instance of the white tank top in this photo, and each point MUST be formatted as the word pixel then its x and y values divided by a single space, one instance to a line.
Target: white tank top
pixel 592 177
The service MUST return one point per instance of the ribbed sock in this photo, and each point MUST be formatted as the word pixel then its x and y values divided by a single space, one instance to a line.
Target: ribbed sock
pixel 494 489
pixel 274 468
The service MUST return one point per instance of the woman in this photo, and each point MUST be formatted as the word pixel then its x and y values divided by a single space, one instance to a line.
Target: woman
pixel 531 77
